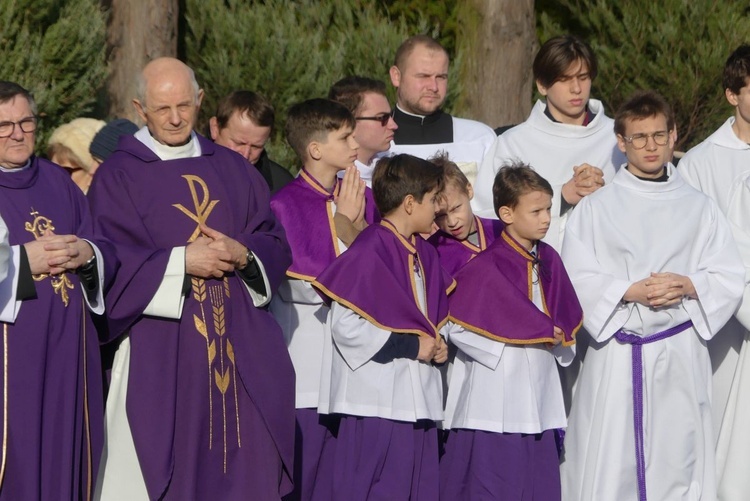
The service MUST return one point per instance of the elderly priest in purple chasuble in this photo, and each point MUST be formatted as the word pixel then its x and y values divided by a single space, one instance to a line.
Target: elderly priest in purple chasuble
pixel 202 397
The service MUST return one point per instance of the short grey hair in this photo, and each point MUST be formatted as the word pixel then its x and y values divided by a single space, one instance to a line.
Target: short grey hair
pixel 9 90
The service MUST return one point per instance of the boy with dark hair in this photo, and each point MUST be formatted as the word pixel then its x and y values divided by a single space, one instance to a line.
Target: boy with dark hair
pixel 505 399
pixel 658 274
pixel 462 235
pixel 567 137
pixel 718 167
pixel 367 100
pixel 388 297
pixel 321 133
pixel 243 123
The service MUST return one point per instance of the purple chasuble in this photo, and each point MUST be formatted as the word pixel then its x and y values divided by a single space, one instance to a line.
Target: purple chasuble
pixel 375 278
pixel 305 210
pixel 494 295
pixel 210 397
pixel 454 254
pixel 51 381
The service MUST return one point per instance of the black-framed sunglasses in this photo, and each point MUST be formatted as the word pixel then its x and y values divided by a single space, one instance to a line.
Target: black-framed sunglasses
pixel 382 118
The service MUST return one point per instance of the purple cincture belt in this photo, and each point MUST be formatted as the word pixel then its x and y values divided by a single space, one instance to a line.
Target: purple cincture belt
pixel 637 343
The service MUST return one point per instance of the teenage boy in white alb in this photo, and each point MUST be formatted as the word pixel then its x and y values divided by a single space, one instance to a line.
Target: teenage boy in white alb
pixel 567 138
pixel 658 274
pixel 717 167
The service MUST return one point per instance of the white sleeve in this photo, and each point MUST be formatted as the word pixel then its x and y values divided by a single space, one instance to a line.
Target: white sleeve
pixel 482 349
pixel 482 202
pixel 9 306
pixel 298 291
pixel 355 338
pixel 97 305
pixel 737 213
pixel 260 300
pixel 168 299
pixel 600 293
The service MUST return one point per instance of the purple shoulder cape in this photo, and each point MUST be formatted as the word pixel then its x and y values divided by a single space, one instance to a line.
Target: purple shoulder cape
pixel 233 351
pixel 305 210
pixel 375 278
pixel 51 387
pixel 454 254
pixel 494 295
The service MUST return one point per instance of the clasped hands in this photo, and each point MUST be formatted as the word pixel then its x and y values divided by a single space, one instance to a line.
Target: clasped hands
pixel 54 254
pixel 661 290
pixel 213 254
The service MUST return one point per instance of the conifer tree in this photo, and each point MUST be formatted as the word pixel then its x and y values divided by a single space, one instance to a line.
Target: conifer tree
pixel 675 47
pixel 287 50
pixel 55 49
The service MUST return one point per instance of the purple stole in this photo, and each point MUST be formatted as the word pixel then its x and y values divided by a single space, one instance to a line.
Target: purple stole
pixel 234 351
pixel 305 210
pixel 456 253
pixel 494 295
pixel 52 416
pixel 375 278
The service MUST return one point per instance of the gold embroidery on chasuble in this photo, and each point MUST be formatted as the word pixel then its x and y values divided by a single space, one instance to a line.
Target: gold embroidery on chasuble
pixel 60 283
pixel 211 323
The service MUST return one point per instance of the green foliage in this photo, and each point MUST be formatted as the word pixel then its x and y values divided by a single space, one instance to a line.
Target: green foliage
pixel 56 49
pixel 289 50
pixel 676 47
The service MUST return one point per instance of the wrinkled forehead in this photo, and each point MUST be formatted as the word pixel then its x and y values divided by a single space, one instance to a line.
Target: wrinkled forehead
pixel 15 108
pixel 169 89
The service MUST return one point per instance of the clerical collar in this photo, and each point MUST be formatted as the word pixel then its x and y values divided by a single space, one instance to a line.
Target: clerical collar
pixel 188 150
pixel 16 169
pixel 661 179
pixel 586 120
pixel 412 119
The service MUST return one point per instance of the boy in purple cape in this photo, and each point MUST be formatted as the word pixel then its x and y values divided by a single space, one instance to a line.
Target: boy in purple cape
pixel 51 371
pixel 505 399
pixel 388 296
pixel 320 214
pixel 201 404
pixel 462 235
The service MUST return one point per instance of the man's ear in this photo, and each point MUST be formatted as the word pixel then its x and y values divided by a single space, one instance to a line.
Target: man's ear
pixel 541 88
pixel 213 127
pixel 620 143
pixel 395 74
pixel 140 109
pixel 731 97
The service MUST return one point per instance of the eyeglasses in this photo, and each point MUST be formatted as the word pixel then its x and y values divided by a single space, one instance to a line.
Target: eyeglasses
pixel 382 118
pixel 26 124
pixel 639 141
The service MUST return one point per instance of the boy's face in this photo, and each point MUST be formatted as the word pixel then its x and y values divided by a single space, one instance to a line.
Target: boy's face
pixel 455 216
pixel 372 136
pixel 741 102
pixel 423 213
pixel 528 221
pixel 647 161
pixel 567 97
pixel 339 150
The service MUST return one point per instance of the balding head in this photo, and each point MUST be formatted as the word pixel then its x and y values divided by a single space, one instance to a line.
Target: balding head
pixel 168 100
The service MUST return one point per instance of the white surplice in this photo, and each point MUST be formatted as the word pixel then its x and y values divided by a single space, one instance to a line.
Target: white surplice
pixel 471 142
pixel 717 167
pixel 505 388
pixel 615 237
pixel 552 149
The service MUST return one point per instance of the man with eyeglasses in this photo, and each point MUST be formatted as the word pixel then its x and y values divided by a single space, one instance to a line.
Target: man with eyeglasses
pixel 243 123
pixel 567 137
pixel 366 99
pixel 201 404
pixel 420 76
pixel 51 370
